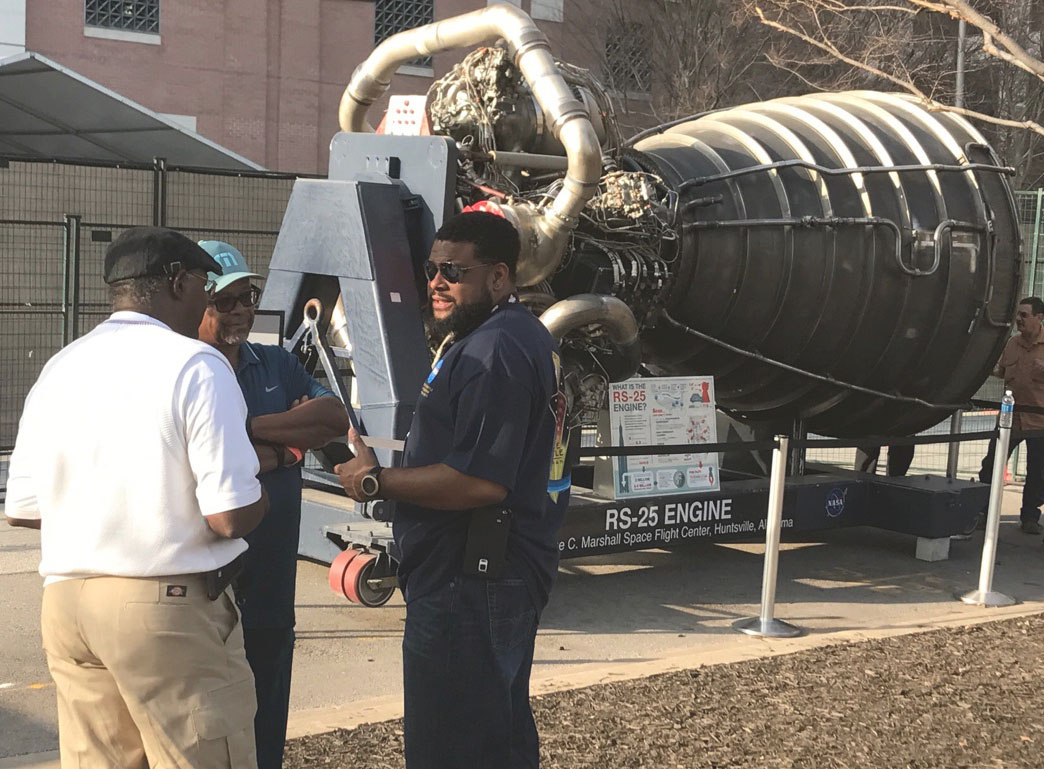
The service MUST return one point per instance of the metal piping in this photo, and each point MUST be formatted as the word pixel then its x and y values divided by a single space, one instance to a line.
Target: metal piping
pixel 524 160
pixel 544 234
pixel 607 311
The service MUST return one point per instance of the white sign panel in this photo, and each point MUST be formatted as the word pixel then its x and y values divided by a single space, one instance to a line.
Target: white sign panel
pixel 662 411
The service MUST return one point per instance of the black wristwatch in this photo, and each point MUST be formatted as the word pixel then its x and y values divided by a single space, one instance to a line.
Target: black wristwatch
pixel 371 483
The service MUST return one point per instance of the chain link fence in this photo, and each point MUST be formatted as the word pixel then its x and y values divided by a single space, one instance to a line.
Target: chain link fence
pixel 57 219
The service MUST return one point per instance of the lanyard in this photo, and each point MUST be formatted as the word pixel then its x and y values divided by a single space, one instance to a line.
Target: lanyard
pixel 437 363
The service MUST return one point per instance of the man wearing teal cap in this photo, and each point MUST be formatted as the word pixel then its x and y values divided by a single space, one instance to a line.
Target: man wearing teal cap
pixel 288 411
pixel 233 264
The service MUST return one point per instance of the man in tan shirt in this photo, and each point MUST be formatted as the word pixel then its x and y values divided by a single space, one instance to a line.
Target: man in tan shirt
pixel 1021 366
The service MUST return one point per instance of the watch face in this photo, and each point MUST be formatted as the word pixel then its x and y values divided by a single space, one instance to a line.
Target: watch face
pixel 369 485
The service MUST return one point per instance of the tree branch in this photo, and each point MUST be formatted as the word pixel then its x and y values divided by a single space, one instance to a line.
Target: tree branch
pixel 907 85
pixel 1013 53
pixel 833 51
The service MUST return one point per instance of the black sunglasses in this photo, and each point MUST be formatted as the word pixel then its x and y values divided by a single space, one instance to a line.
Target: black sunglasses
pixel 208 284
pixel 227 303
pixel 450 271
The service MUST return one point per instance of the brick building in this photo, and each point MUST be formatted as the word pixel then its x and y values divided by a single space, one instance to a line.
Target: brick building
pixel 260 77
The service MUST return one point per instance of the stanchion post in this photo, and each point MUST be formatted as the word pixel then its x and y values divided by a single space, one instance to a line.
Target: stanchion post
pixel 797 466
pixel 766 624
pixel 984 595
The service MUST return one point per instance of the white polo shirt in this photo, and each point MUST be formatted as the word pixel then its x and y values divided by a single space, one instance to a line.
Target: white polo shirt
pixel 131 435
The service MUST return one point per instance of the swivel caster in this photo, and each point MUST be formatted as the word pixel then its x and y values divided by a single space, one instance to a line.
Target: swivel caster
pixel 361 584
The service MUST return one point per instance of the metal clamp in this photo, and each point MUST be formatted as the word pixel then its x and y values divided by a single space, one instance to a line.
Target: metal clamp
pixel 313 311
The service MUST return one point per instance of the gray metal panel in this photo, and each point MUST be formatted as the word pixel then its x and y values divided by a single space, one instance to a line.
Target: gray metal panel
pixel 356 232
pixel 426 165
pixel 322 231
pixel 389 349
pixel 315 520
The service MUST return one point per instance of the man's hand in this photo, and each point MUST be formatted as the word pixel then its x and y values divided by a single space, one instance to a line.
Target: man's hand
pixel 309 423
pixel 437 486
pixel 351 472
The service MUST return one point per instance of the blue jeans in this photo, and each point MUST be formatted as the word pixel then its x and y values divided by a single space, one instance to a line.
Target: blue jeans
pixel 271 657
pixel 1033 491
pixel 467 652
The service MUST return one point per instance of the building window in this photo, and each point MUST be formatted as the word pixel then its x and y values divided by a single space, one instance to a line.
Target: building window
pixel 391 16
pixel 127 15
pixel 547 10
pixel 627 68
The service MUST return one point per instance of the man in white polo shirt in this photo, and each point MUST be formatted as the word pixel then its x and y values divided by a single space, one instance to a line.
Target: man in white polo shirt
pixel 132 458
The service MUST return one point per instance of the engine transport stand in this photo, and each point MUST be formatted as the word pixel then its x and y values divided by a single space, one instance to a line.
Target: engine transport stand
pixel 931 508
pixel 816 497
pixel 354 242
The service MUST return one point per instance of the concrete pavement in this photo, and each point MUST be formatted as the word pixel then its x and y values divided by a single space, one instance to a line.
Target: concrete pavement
pixel 611 617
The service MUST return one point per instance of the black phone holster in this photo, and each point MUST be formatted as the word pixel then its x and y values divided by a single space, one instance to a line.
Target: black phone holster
pixel 485 552
pixel 223 576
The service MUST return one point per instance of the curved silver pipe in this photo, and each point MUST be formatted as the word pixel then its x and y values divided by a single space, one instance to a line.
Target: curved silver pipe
pixel 607 311
pixel 544 234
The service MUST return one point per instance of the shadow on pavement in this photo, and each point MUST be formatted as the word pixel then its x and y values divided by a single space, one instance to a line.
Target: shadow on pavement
pixel 22 734
pixel 834 580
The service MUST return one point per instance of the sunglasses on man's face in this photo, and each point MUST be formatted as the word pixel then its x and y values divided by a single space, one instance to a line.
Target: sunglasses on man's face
pixel 208 284
pixel 227 302
pixel 453 273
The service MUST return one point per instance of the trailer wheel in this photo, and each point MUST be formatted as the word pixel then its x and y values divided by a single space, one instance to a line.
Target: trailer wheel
pixel 338 571
pixel 358 571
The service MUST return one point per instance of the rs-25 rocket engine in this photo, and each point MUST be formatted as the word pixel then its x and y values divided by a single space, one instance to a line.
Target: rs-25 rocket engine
pixel 851 259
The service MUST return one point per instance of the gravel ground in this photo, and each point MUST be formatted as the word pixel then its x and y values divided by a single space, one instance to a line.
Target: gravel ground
pixel 965 697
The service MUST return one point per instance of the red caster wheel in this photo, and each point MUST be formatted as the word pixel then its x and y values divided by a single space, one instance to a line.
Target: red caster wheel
pixel 338 571
pixel 359 570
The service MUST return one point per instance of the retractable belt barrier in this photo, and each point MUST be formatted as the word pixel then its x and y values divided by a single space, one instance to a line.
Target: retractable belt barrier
pixel 766 624
pixel 802 443
pixel 770 444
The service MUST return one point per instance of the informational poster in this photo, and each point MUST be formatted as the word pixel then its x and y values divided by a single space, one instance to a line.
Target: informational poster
pixel 661 411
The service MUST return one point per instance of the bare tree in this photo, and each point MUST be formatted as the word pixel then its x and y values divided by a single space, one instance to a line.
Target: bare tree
pixel 911 45
pixel 665 59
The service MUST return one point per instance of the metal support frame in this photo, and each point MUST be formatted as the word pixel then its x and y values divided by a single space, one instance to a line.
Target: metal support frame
pixel 1036 242
pixel 797 455
pixel 766 624
pixel 953 450
pixel 159 192
pixel 67 247
pixel 71 280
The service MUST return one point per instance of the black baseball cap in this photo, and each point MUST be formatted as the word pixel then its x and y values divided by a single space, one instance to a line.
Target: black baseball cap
pixel 143 251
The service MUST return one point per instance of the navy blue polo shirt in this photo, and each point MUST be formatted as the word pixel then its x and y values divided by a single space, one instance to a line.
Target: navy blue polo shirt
pixel 271 379
pixel 486 411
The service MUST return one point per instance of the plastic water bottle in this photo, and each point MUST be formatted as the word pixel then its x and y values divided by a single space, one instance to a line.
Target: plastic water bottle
pixel 1007 409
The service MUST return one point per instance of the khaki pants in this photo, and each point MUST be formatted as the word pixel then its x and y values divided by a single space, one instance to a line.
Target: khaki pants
pixel 148 670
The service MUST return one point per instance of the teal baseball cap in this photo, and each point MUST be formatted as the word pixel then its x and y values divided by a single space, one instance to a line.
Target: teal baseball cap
pixel 233 265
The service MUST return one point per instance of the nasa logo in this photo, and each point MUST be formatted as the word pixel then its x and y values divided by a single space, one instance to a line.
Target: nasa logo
pixel 835 502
